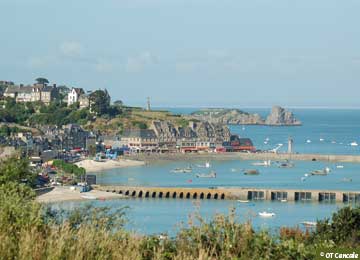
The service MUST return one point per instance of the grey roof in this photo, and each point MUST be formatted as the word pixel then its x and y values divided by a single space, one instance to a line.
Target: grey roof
pixel 139 133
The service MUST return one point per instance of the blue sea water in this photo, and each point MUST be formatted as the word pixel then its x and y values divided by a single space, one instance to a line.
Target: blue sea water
pixel 338 128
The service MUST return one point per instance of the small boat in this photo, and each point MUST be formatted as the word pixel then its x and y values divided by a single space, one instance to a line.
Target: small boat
pixel 321 139
pixel 207 165
pixel 306 175
pixel 264 163
pixel 243 201
pixel 182 170
pixel 210 175
pixel 251 172
pixel 267 214
pixel 308 141
pixel 333 142
pixel 303 179
pixel 286 164
pixel 88 197
pixel 340 166
pixel 346 180
pixel 283 200
pixel 353 144
pixel 308 223
pixel 319 172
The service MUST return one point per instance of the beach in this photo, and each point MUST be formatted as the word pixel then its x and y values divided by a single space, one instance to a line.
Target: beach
pixel 61 194
pixel 93 166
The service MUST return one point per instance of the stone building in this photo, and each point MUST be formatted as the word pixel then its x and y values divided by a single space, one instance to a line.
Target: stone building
pixel 140 139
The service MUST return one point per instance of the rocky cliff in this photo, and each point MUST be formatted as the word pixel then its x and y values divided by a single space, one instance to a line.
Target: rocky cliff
pixel 281 117
pixel 278 117
pixel 226 116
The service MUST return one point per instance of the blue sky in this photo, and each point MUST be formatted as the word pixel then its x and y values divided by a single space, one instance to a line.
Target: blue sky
pixel 189 53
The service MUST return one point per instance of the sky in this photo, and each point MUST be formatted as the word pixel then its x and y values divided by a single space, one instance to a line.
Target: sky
pixel 230 53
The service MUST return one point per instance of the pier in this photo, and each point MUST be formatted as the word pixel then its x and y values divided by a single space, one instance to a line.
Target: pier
pixel 219 193
pixel 333 158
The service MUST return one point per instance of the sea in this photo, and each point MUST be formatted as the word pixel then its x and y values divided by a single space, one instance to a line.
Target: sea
pixel 324 131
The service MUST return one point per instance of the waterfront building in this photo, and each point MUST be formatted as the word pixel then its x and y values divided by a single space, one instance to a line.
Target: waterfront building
pixel 140 139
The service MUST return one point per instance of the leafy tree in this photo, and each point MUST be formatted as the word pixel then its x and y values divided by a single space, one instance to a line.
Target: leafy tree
pixel 100 102
pixel 16 170
pixel 42 81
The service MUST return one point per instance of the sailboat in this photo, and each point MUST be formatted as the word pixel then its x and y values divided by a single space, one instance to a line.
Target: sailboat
pixel 207 165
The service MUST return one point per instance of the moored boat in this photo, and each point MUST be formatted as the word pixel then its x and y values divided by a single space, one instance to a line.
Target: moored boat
pixel 266 214
pixel 251 172
pixel 263 163
pixel 243 201
pixel 203 175
pixel 308 223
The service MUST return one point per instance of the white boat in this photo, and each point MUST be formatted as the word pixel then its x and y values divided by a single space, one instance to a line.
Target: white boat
pixel 88 197
pixel 308 141
pixel 283 200
pixel 333 142
pixel 354 144
pixel 264 163
pixel 267 214
pixel 321 139
pixel 306 175
pixel 320 172
pixel 210 175
pixel 243 201
pixel 206 165
pixel 308 223
pixel 181 170
pixel 340 166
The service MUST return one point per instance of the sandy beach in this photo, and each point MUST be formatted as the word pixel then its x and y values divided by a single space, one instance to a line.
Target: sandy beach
pixel 60 194
pixel 93 166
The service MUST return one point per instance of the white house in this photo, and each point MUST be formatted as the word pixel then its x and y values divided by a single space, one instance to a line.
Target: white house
pixel 74 95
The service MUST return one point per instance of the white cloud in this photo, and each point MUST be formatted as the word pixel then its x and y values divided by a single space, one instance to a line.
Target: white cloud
pixel 71 49
pixel 139 62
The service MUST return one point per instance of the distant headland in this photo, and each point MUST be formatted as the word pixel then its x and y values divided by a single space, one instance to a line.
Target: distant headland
pixel 278 117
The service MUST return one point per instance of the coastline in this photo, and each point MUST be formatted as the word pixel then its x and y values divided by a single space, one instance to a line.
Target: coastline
pixel 65 194
pixel 93 166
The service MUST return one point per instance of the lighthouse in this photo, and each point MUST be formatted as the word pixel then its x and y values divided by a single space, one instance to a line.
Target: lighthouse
pixel 148 108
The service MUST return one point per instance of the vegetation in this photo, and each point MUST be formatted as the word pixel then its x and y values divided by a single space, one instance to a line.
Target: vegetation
pixel 29 230
pixel 69 168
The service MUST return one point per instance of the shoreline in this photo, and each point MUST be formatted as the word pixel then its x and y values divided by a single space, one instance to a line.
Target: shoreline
pixel 150 158
pixel 93 166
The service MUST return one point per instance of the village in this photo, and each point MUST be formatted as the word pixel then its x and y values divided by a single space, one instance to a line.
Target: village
pixel 72 142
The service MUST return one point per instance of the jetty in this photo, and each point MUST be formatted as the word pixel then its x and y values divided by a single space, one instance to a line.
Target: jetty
pixel 246 156
pixel 222 193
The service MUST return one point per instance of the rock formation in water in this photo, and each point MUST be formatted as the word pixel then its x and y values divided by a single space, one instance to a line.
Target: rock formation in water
pixel 281 117
pixel 278 117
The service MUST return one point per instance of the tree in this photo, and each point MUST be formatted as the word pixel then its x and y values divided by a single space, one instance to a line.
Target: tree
pixel 118 103
pixel 43 81
pixel 99 102
pixel 15 170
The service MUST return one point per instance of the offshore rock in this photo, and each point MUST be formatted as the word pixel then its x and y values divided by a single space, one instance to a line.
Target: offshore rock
pixel 281 117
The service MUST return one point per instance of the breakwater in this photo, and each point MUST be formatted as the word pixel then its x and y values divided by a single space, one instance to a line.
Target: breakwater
pixel 245 194
pixel 246 156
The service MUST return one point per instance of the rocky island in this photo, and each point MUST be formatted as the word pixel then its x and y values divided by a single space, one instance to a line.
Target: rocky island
pixel 278 117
